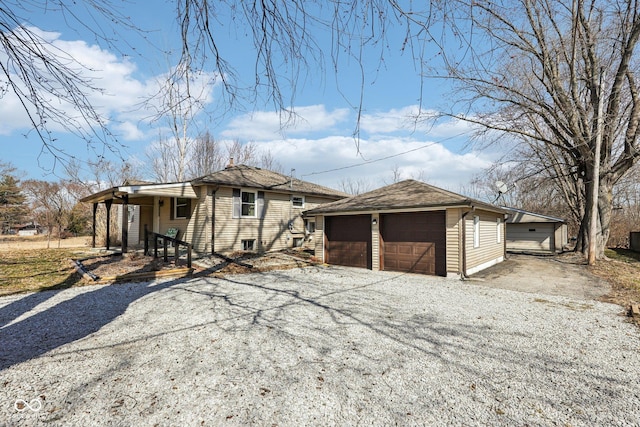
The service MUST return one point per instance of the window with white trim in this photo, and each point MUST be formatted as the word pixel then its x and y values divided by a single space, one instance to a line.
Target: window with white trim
pixel 181 208
pixel 248 199
pixel 476 231
pixel 498 230
pixel 297 201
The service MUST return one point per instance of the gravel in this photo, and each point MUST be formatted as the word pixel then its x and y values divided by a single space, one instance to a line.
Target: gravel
pixel 315 346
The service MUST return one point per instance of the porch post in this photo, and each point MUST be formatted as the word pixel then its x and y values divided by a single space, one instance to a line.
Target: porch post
pixel 125 223
pixel 107 204
pixel 93 234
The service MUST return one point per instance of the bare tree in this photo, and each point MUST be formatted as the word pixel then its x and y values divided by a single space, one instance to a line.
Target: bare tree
pixel 267 161
pixel 53 87
pixel 396 175
pixel 626 208
pixel 206 156
pixel 182 96
pixel 527 188
pixel 52 204
pixel 288 38
pixel 532 70
pixel 161 162
pixel 355 186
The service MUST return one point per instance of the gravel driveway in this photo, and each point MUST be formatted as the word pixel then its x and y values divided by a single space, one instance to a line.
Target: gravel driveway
pixel 315 346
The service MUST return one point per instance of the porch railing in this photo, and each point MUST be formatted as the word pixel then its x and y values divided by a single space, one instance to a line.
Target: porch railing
pixel 165 246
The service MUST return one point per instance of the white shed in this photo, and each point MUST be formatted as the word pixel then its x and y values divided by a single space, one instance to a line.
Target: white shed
pixel 533 232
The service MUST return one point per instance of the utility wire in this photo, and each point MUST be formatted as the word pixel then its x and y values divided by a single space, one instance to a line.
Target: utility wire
pixel 384 158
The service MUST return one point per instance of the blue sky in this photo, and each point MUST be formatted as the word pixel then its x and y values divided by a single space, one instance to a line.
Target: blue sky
pixel 321 140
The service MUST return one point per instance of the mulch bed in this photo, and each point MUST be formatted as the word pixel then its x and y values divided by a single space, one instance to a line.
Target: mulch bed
pixel 134 265
pixel 119 265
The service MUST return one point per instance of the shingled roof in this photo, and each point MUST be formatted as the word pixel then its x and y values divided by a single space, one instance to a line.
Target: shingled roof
pixel 409 194
pixel 253 177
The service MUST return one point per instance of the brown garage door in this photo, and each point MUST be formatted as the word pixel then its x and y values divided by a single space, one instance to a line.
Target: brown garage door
pixel 414 242
pixel 348 240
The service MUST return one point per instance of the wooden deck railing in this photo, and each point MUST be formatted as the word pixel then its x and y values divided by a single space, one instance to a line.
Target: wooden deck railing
pixel 165 246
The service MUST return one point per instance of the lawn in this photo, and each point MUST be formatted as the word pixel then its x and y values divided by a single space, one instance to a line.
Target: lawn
pixel 37 270
pixel 622 271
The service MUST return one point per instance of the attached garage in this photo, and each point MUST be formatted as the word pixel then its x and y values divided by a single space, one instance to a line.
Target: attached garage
pixel 532 232
pixel 414 242
pixel 348 240
pixel 410 227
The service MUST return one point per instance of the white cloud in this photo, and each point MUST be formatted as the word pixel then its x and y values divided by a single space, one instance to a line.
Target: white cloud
pixel 130 132
pixel 118 94
pixel 429 161
pixel 409 118
pixel 268 124
pixel 452 128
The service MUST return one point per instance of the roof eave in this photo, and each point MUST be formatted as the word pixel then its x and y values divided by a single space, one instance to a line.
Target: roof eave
pixel 411 208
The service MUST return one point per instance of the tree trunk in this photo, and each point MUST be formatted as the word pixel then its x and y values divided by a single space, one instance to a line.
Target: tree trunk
pixel 605 209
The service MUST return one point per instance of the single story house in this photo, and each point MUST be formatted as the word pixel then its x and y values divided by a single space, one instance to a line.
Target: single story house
pixel 533 232
pixel 238 208
pixel 410 226
pixel 29 230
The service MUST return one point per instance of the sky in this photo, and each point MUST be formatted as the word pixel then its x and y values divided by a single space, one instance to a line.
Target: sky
pixel 319 145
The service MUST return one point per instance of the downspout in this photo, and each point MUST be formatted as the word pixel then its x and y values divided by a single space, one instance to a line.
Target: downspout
pixel 463 273
pixel 213 218
pixel 504 234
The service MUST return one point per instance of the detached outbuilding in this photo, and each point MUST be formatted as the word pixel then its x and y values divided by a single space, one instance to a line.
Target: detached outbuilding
pixel 533 232
pixel 412 227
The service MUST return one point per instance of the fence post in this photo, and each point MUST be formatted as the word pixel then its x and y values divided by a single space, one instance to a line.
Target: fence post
pixel 164 246
pixel 188 255
pixel 155 245
pixel 177 250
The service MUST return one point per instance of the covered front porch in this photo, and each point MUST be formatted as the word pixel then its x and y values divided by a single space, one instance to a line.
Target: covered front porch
pixel 152 207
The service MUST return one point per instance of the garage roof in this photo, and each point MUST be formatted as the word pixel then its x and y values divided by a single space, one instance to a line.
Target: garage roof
pixel 520 216
pixel 404 195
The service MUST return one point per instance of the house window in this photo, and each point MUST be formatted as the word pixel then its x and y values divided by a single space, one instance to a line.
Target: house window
pixel 248 204
pixel 181 208
pixel 498 230
pixel 297 242
pixel 476 231
pixel 310 226
pixel 297 201
pixel 248 244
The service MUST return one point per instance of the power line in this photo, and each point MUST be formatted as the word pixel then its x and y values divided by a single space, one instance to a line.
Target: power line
pixel 384 158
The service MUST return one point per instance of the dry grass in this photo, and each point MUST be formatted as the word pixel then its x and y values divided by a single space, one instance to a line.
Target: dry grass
pixel 12 243
pixel 622 271
pixel 38 270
